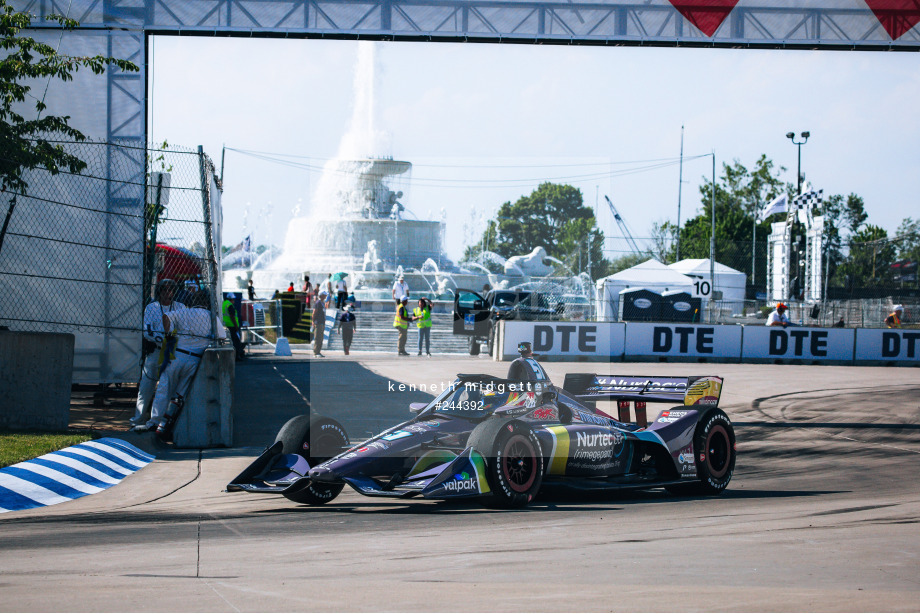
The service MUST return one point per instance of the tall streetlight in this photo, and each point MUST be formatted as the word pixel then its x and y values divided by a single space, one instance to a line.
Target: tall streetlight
pixel 791 137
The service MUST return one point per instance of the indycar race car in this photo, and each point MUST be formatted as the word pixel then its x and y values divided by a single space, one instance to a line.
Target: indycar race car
pixel 502 440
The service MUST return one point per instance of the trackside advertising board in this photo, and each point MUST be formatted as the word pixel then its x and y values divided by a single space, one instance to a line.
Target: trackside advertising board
pixel 567 340
pixel 773 343
pixel 641 341
pixel 682 341
pixel 881 346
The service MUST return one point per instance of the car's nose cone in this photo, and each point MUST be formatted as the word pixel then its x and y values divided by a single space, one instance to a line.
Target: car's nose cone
pixel 323 474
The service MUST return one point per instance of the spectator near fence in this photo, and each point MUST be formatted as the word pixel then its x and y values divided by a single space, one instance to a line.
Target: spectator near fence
pixel 894 318
pixel 192 327
pixel 778 316
pixel 232 324
pixel 159 347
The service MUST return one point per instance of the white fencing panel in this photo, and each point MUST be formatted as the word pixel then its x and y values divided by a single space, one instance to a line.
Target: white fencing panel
pixel 589 340
pixel 762 343
pixel 677 341
pixel 876 345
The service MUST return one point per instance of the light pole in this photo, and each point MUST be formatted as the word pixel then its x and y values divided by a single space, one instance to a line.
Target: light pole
pixel 791 137
pixel 790 218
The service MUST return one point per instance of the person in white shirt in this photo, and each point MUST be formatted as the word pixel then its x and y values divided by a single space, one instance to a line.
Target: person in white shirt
pixel 159 348
pixel 778 316
pixel 400 289
pixel 192 327
pixel 341 293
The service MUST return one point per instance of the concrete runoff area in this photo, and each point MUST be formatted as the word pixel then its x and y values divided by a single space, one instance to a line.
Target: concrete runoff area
pixel 822 513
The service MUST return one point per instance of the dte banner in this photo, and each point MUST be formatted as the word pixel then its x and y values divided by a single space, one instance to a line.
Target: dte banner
pixel 882 346
pixel 682 341
pixel 771 343
pixel 591 340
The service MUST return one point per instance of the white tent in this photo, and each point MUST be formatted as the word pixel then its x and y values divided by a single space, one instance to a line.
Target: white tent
pixel 651 275
pixel 730 282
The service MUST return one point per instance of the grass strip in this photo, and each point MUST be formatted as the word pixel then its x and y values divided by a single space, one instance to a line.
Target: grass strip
pixel 16 447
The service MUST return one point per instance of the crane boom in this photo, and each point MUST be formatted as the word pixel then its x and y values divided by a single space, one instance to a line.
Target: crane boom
pixel 623 228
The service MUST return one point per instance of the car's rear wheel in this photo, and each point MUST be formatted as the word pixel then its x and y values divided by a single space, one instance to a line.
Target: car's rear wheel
pixel 317 439
pixel 714 453
pixel 514 461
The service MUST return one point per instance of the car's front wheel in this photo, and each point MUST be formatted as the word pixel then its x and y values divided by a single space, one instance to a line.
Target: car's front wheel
pixel 317 439
pixel 514 461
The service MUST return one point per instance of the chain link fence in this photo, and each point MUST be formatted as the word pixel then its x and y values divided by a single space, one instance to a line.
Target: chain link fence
pixel 82 252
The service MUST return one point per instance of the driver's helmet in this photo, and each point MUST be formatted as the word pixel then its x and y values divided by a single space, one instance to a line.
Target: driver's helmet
pixel 524 347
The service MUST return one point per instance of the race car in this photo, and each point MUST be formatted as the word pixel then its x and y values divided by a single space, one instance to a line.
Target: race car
pixel 502 440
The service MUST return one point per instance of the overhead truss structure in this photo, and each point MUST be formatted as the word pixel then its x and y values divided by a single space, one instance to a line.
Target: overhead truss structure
pixel 833 24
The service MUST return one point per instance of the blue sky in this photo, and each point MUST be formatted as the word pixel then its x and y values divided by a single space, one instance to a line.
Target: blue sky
pixel 485 124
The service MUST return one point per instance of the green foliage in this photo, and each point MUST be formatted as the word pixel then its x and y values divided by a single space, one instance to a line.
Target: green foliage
pixel 740 194
pixel 554 217
pixel 26 143
pixel 909 244
pixel 871 256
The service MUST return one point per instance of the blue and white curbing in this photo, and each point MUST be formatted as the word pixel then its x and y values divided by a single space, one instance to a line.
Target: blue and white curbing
pixel 68 474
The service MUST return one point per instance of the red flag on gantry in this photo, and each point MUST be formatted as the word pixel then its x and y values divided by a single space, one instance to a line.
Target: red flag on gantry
pixel 707 15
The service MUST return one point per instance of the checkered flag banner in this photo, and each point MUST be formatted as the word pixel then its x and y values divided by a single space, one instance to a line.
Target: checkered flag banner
pixel 803 204
pixel 808 200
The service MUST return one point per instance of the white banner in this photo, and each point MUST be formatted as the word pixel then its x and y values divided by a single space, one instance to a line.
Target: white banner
pixel 595 340
pixel 881 345
pixel 682 340
pixel 795 343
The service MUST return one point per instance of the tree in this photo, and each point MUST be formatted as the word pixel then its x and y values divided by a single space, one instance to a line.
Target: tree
pixel 553 217
pixel 871 257
pixel 740 194
pixel 908 235
pixel 27 143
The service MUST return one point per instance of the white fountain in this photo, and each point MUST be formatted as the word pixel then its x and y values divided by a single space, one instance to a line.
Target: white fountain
pixel 358 225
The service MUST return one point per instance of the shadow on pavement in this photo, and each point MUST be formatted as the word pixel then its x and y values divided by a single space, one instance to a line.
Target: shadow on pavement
pixel 268 394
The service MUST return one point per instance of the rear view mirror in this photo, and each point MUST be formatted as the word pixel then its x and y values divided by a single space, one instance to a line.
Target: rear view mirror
pixel 417 407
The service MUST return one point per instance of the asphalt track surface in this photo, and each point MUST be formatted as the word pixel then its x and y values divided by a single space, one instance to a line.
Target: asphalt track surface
pixel 822 514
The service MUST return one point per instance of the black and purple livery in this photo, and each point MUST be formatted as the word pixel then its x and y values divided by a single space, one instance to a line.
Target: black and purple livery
pixel 502 440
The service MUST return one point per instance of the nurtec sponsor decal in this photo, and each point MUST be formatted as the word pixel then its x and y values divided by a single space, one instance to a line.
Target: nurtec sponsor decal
pixel 396 435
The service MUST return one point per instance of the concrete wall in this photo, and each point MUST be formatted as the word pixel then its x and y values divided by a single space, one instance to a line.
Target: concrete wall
pixel 35 379
pixel 207 420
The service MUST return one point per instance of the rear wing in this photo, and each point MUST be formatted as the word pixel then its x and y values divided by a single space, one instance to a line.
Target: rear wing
pixel 699 390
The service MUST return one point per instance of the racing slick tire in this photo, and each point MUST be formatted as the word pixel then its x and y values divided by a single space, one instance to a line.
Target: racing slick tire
pixel 328 439
pixel 514 461
pixel 714 449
